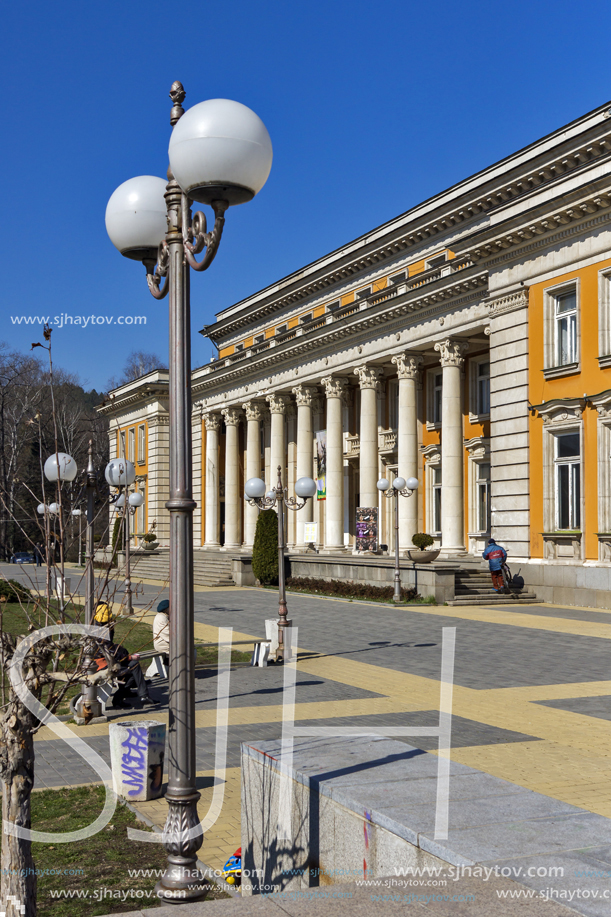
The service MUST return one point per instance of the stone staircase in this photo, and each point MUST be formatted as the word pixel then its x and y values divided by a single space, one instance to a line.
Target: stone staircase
pixel 474 587
pixel 209 568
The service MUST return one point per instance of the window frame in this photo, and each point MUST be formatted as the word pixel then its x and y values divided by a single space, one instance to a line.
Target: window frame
pixel 604 318
pixel 141 453
pixel 431 389
pixel 475 414
pixel 552 368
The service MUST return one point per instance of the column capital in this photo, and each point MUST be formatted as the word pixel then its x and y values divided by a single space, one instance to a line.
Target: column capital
pixel 232 416
pixel 408 365
pixel 213 422
pixel 334 387
pixel 254 410
pixel 304 395
pixel 277 403
pixel 369 376
pixel 451 352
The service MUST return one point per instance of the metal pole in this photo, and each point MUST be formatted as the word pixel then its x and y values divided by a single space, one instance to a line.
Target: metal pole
pixel 397 592
pixel 128 583
pixel 283 622
pixel 182 881
pixel 90 693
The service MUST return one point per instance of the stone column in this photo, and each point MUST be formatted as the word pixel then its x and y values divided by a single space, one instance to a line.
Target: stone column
pixel 303 396
pixel 254 413
pixel 408 370
pixel 291 450
pixel 334 504
pixel 233 498
pixel 213 424
pixel 277 409
pixel 452 477
pixel 369 382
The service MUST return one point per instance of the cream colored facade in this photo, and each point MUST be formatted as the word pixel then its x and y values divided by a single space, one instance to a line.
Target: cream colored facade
pixel 420 350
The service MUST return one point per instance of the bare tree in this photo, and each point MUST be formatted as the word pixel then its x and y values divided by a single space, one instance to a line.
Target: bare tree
pixel 138 364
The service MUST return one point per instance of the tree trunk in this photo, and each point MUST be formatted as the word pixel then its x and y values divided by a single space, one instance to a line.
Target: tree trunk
pixel 18 873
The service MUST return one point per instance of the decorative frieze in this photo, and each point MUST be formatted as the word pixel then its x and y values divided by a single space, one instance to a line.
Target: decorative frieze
pixel 508 303
pixel 304 394
pixel 560 410
pixel 408 365
pixel 369 377
pixel 277 403
pixel 334 387
pixel 254 410
pixel 232 416
pixel 451 352
pixel 212 422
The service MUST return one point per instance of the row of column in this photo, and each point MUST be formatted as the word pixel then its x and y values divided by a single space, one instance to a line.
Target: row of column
pixel 335 390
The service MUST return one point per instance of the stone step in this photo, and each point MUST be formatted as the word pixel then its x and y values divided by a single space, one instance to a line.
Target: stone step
pixel 524 598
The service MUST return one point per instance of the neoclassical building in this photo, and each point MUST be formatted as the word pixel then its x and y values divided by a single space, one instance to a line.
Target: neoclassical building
pixel 466 343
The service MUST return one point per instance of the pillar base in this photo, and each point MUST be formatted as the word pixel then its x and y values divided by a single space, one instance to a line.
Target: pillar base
pixel 211 546
pixel 332 549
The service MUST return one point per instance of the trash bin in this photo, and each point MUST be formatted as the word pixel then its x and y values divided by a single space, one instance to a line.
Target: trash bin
pixel 137 751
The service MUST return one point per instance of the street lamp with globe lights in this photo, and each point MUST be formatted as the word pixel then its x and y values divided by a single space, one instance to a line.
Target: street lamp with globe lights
pixel 127 509
pixel 254 493
pixel 220 154
pixel 399 487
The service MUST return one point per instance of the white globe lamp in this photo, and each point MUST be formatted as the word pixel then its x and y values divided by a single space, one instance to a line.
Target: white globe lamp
pixel 136 217
pixel 383 484
pixel 136 500
pixel 60 467
pixel 254 489
pixel 120 473
pixel 398 483
pixel 412 483
pixel 220 151
pixel 305 487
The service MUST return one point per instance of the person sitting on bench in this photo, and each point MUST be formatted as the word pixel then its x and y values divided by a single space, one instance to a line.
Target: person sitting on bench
pixel 129 675
pixel 161 631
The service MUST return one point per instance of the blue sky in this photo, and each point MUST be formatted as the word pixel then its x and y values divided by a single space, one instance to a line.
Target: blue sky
pixel 371 108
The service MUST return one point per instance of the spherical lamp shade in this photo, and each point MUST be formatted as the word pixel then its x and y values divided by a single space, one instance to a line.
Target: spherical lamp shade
pixel 271 494
pixel 60 467
pixel 305 487
pixel 120 472
pixel 54 508
pixel 383 484
pixel 220 151
pixel 76 512
pixel 398 483
pixel 41 509
pixel 120 503
pixel 136 217
pixel 254 489
pixel 136 499
pixel 412 483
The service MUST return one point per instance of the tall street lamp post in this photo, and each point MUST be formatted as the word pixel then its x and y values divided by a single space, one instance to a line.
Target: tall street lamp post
pixel 405 489
pixel 254 491
pixel 220 154
pixel 128 508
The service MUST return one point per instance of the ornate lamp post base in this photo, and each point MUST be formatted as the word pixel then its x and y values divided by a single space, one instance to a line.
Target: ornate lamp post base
pixel 182 837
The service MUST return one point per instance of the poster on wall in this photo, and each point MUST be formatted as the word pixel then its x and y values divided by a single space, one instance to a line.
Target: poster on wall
pixel 321 464
pixel 366 529
pixel 310 532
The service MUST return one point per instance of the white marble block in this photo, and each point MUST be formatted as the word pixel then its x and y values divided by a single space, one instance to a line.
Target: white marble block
pixel 137 751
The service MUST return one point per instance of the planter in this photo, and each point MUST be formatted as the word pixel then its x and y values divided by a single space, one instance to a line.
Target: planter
pixel 423 557
pixel 151 545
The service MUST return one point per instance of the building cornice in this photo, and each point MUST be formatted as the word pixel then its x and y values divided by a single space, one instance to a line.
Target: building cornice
pixel 571 156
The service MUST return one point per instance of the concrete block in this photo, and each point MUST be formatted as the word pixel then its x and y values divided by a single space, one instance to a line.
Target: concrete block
pixel 517 394
pixel 503 352
pixel 137 752
pixel 585 597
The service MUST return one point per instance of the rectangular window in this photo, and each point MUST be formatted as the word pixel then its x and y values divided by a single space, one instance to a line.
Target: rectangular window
pixel 436 262
pixel 122 444
pixel 333 306
pixel 140 512
pixel 565 322
pixel 239 347
pixel 141 444
pixel 436 395
pixel 393 404
pixel 568 481
pixel 483 388
pixel 436 493
pixel 131 445
pixel 259 338
pixel 483 496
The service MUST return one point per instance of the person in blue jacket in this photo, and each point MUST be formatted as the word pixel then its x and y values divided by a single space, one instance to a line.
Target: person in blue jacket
pixel 496 557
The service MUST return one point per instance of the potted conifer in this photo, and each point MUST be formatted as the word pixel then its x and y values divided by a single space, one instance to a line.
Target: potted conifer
pixel 421 555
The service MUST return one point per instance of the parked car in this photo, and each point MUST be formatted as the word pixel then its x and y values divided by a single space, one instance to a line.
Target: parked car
pixel 22 557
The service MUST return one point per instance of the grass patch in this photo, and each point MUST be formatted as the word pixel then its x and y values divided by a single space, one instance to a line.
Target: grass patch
pixel 100 864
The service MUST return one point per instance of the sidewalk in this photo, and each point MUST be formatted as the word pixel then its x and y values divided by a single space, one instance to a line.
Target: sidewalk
pixel 532 696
